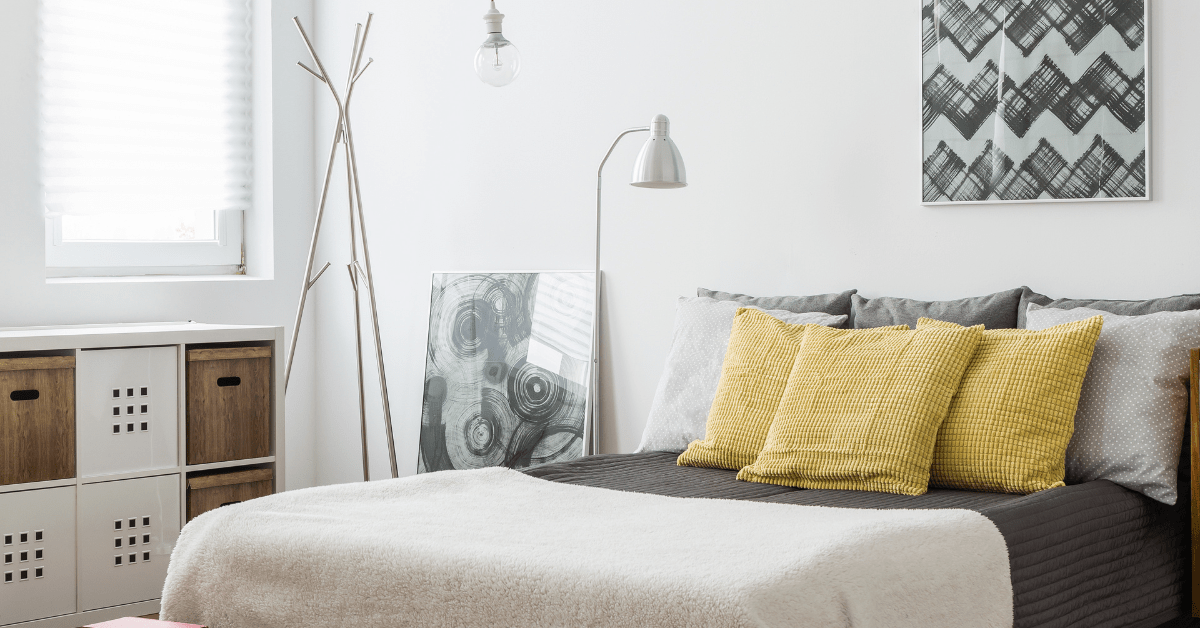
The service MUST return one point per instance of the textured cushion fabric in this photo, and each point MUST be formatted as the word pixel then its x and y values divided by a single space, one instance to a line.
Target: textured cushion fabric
pixel 1129 425
pixel 756 367
pixel 1012 417
pixel 689 380
pixel 862 408
pixel 1177 303
pixel 837 303
pixel 993 311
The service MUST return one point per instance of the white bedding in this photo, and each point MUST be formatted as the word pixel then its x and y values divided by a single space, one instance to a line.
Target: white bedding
pixel 498 548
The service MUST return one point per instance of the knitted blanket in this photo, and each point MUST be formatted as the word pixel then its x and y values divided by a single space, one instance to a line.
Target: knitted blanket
pixel 496 547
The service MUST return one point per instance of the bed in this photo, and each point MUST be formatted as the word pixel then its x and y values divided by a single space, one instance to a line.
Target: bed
pixel 422 551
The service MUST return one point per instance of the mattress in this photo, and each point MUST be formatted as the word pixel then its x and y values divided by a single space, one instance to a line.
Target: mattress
pixel 1092 555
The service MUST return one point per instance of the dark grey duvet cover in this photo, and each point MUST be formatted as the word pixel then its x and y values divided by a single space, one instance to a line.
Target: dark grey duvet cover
pixel 1091 555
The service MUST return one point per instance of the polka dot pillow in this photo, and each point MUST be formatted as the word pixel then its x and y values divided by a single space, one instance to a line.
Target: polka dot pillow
pixel 1129 424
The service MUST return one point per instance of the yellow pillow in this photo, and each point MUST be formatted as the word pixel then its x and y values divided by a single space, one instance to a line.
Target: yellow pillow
pixel 862 409
pixel 1009 424
pixel 757 363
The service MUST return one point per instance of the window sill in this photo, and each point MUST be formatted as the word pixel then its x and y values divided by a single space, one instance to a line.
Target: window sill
pixel 153 279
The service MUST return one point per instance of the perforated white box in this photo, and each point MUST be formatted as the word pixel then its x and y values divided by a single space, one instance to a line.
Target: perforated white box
pixel 37 554
pixel 127 530
pixel 127 410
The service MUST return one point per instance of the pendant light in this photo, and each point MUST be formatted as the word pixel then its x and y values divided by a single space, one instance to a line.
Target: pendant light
pixel 497 62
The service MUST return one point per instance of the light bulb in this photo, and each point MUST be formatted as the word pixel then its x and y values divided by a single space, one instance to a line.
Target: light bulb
pixel 497 62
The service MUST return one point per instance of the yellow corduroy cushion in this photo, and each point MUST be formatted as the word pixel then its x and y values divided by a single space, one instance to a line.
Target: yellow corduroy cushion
pixel 756 367
pixel 1014 413
pixel 862 409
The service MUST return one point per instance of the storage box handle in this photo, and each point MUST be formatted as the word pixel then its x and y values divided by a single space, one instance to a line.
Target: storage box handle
pixel 24 395
pixel 228 504
pixel 229 381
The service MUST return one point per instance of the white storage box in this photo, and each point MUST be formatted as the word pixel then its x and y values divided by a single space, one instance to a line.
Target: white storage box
pixel 128 410
pixel 127 530
pixel 37 554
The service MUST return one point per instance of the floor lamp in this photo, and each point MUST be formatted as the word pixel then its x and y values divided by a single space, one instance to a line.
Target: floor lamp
pixel 659 165
pixel 360 269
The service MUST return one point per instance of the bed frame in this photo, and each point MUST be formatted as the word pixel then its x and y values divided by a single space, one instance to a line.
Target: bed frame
pixel 1194 432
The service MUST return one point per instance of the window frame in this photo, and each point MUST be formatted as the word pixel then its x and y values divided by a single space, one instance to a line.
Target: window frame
pixel 225 255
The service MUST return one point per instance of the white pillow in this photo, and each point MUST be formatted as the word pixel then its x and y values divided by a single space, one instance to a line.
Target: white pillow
pixel 1129 425
pixel 689 380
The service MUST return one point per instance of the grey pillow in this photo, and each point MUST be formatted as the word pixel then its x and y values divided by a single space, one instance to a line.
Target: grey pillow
pixel 689 381
pixel 1133 406
pixel 994 311
pixel 1178 303
pixel 1029 296
pixel 837 304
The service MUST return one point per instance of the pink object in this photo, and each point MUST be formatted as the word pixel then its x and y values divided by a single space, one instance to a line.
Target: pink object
pixel 138 622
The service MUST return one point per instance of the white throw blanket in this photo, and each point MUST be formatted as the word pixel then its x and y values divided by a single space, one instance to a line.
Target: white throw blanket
pixel 498 548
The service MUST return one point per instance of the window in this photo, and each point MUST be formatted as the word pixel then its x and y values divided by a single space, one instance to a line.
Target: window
pixel 146 139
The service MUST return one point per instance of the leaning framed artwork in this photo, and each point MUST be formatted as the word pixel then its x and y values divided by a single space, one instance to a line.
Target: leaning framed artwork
pixel 507 370
pixel 1034 100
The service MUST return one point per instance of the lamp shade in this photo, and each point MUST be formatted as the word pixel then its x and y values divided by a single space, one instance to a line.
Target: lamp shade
pixel 659 165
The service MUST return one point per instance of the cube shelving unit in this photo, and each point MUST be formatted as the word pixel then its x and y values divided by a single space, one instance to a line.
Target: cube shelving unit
pixel 94 429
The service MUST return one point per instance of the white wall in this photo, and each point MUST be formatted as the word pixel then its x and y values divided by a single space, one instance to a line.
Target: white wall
pixel 27 299
pixel 802 181
pixel 799 122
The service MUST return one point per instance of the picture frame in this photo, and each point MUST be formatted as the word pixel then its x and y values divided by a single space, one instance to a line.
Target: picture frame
pixel 508 369
pixel 1067 101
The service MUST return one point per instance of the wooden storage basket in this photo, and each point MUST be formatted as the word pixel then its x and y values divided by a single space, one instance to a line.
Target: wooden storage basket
pixel 37 419
pixel 228 404
pixel 208 492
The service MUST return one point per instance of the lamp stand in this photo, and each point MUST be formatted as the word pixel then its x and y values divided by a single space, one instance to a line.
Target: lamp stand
pixel 592 438
pixel 360 270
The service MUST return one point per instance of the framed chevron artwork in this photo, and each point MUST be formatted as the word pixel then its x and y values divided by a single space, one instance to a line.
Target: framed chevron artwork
pixel 1034 100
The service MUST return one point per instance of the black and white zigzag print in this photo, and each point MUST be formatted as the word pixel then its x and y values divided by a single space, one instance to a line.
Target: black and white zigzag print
pixel 995 175
pixel 1045 98
pixel 1025 24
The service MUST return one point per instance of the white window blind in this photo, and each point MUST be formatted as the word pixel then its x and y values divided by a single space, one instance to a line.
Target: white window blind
pixel 146 110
